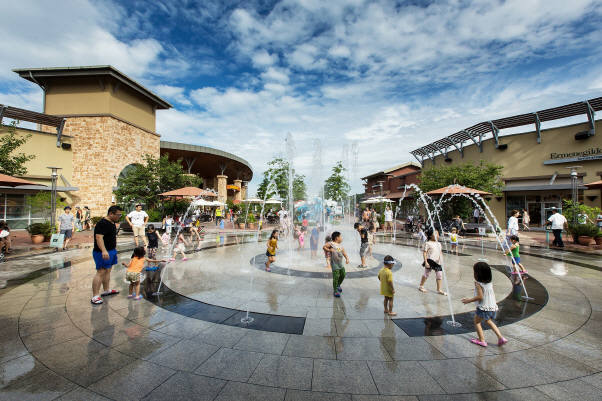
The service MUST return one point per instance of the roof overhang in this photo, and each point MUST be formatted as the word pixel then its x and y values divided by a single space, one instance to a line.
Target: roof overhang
pixel 38 75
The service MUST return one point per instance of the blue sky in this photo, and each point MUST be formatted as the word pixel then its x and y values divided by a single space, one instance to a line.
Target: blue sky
pixel 391 75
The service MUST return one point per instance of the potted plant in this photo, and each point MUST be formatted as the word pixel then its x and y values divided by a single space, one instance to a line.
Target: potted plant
pixel 251 220
pixel 585 233
pixel 240 222
pixel 598 237
pixel 39 232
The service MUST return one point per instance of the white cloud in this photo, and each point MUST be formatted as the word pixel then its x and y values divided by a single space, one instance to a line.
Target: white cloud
pixel 172 93
pixel 263 59
pixel 276 75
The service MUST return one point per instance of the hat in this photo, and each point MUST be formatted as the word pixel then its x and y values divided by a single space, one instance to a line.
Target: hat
pixel 77 207
pixel 67 207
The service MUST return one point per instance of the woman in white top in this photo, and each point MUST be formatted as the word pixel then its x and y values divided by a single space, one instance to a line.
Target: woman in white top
pixel 432 261
pixel 512 226
pixel 526 220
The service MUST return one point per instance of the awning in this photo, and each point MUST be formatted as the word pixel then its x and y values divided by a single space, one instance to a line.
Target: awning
pixel 398 195
pixel 189 191
pixel 592 185
pixel 522 188
pixel 42 188
pixel 234 187
pixel 12 182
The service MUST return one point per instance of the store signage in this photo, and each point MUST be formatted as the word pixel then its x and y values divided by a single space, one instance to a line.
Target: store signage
pixel 571 157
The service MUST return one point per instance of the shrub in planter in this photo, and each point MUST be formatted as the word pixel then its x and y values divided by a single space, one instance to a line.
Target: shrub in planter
pixel 251 219
pixel 39 232
pixel 598 237
pixel 584 233
pixel 95 220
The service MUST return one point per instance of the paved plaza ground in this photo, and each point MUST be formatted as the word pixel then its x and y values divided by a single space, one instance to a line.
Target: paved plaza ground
pixel 303 344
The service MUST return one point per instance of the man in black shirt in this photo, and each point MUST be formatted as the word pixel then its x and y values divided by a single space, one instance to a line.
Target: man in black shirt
pixel 364 244
pixel 104 253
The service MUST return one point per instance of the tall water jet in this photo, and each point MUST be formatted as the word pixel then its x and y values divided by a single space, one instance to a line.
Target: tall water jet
pixel 318 180
pixel 345 163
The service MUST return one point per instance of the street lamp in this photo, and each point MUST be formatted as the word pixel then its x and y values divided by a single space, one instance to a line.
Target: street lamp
pixel 574 192
pixel 54 176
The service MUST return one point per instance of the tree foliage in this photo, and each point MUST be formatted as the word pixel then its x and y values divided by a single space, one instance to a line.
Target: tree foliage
pixel 41 203
pixel 483 176
pixel 13 163
pixel 336 186
pixel 278 171
pixel 145 181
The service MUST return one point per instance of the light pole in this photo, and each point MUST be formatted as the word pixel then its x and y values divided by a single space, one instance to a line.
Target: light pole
pixel 574 192
pixel 54 176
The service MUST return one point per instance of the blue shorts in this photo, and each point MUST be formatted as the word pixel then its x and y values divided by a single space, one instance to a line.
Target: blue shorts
pixel 517 259
pixel 105 264
pixel 486 314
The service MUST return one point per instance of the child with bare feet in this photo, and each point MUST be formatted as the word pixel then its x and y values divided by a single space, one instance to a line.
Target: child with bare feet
pixel 432 260
pixel 337 252
pixel 180 247
pixel 518 267
pixel 385 276
pixel 271 252
pixel 135 266
pixel 484 298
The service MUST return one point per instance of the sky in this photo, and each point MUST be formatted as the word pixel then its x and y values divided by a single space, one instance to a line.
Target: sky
pixel 388 75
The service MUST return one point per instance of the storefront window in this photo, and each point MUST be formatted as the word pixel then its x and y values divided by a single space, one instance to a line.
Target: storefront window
pixel 16 208
pixel 514 202
pixel 2 206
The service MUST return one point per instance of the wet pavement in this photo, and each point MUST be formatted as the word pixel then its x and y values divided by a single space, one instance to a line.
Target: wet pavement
pixel 303 344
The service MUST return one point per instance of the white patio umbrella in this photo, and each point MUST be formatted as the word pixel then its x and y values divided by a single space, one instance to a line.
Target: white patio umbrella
pixel 202 202
pixel 273 201
pixel 216 203
pixel 252 200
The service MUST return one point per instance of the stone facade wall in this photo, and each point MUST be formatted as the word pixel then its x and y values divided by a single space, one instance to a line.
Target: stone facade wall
pixel 222 181
pixel 102 147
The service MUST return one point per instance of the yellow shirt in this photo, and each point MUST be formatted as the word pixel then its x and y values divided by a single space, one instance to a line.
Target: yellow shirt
pixel 386 275
pixel 272 244
pixel 218 212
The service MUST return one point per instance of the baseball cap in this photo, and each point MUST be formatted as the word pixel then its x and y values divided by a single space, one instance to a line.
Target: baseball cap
pixel 67 207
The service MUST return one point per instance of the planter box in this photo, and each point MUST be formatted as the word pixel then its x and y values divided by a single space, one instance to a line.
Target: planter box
pixel 598 240
pixel 37 239
pixel 584 240
pixel 251 225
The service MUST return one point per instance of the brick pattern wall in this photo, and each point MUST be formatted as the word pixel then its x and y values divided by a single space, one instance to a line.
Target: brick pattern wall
pixel 102 147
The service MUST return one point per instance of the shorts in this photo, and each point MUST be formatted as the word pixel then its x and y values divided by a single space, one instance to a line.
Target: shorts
pixel 138 230
pixel 181 248
pixel 388 224
pixel 152 253
pixel 438 274
pixel 327 255
pixel 454 243
pixel 168 229
pixel 269 255
pixel 67 233
pixel 132 277
pixel 517 259
pixel 105 264
pixel 363 248
pixel 486 314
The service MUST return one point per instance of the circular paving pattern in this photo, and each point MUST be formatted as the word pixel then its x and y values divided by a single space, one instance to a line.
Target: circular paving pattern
pixel 54 343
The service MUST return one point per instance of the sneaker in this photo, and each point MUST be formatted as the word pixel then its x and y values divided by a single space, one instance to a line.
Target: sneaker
pixel 267 269
pixel 97 300
pixel 110 292
pixel 502 341
pixel 340 289
pixel 336 294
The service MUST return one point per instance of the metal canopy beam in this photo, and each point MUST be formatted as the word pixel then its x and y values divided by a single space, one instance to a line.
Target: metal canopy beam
pixel 460 149
pixel 591 117
pixel 2 113
pixel 472 135
pixel 223 166
pixel 190 162
pixel 59 133
pixel 538 127
pixel 496 133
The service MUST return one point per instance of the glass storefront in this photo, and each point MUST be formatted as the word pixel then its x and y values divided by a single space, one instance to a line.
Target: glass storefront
pixel 539 206
pixel 14 210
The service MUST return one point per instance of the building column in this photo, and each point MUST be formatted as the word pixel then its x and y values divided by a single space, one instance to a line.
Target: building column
pixel 221 187
pixel 243 191
pixel 238 195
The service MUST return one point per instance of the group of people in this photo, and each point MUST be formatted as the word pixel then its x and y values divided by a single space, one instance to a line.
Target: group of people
pixel 370 217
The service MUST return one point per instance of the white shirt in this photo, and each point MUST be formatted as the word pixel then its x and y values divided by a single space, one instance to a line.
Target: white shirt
pixel 282 214
pixel 558 221
pixel 513 225
pixel 388 215
pixel 476 213
pixel 137 218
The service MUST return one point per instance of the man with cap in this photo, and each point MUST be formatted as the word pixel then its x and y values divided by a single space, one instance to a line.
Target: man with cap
pixel 66 225
pixel 137 220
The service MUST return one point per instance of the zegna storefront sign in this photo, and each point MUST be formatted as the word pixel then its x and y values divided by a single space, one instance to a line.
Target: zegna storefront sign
pixel 570 157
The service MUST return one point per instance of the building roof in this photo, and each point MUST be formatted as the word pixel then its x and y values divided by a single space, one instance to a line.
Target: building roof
pixel 389 170
pixel 38 76
pixel 206 161
pixel 477 132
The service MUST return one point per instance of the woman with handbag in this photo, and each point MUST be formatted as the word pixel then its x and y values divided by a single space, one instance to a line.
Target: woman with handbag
pixel 433 259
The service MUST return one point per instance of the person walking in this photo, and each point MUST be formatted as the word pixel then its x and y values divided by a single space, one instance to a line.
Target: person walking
pixel 87 219
pixel 526 220
pixel 388 219
pixel 104 253
pixel 558 222
pixel 512 226
pixel 476 214
pixel 66 225
pixel 218 215
pixel 137 220
pixel 78 218
pixel 5 240
pixel 433 259
pixel 337 252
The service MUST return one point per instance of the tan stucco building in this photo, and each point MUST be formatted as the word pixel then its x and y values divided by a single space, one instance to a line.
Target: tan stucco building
pixel 96 122
pixel 530 159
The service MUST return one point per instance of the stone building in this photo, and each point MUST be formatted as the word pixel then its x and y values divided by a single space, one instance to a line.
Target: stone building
pixel 96 122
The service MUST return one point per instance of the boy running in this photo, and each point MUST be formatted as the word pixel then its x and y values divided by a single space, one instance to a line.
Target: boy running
pixel 337 252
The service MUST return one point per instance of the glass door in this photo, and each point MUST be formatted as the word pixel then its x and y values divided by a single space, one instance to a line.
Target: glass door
pixel 534 209
pixel 548 208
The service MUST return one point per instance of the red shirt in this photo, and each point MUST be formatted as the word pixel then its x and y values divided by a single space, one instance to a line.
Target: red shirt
pixel 305 223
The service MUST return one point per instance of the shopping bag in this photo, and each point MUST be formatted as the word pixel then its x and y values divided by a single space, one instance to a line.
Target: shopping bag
pixel 56 241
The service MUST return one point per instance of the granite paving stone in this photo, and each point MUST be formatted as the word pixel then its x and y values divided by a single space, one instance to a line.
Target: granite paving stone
pixel 222 336
pixel 571 390
pixel 19 369
pixel 299 395
pixel 184 386
pixel 234 391
pixel 511 372
pixel 81 393
pixel 44 386
pixel 352 377
pixel 230 364
pixel 93 367
pixel 460 376
pixel 263 341
pixel 147 345
pixel 283 372
pixel 311 347
pixel 361 349
pixel 403 378
pixel 185 355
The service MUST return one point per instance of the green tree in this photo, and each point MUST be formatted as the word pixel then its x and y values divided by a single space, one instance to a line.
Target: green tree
pixel 336 186
pixel 483 176
pixel 40 204
pixel 145 181
pixel 13 164
pixel 278 171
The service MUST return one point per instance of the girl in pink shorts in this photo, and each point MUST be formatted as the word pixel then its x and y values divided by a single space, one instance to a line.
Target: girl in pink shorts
pixel 432 261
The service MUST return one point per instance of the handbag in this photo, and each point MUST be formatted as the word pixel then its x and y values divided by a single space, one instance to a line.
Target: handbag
pixel 56 241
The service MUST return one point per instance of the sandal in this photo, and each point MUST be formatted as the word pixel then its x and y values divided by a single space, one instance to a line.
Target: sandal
pixel 340 289
pixel 442 292
pixel 477 342
pixel 336 294
pixel 501 342
pixel 97 300
pixel 132 295
pixel 422 289
pixel 138 297
pixel 267 269
pixel 110 292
